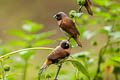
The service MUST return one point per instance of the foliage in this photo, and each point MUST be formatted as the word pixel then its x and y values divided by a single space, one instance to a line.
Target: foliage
pixel 103 56
pixel 29 38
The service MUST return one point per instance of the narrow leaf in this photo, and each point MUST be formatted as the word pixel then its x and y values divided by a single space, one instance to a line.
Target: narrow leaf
pixel 43 42
pixel 88 34
pixel 31 26
pixel 44 35
pixel 17 33
pixel 116 59
pixel 17 43
pixel 80 67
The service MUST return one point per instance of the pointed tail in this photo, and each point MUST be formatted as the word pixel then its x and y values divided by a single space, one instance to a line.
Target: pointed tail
pixel 78 41
pixel 43 68
pixel 89 10
pixel 87 6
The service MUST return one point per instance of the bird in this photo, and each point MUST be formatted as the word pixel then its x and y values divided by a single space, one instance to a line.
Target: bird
pixel 86 4
pixel 67 26
pixel 58 55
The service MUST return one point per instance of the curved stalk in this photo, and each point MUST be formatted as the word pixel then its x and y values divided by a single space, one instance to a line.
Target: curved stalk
pixel 58 70
pixel 14 52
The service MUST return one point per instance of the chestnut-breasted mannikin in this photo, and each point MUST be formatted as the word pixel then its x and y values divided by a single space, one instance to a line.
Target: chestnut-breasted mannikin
pixel 59 53
pixel 68 26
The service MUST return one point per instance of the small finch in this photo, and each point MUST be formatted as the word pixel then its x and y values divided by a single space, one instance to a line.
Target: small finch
pixel 68 27
pixel 59 53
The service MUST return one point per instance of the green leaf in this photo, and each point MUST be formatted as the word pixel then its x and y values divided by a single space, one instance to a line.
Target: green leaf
pixel 27 54
pixel 116 59
pixel 97 9
pixel 92 21
pixel 81 54
pixel 19 65
pixel 73 43
pixel 85 17
pixel 17 43
pixel 89 34
pixel 106 29
pixel 115 35
pixel 81 30
pixel 103 14
pixel 74 14
pixel 43 42
pixel 31 26
pixel 61 39
pixel 4 49
pixel 30 37
pixel 11 76
pixel 80 67
pixel 71 13
pixel 17 33
pixel 111 62
pixel 116 70
pixel 100 2
pixel 1 76
pixel 115 9
pixel 44 35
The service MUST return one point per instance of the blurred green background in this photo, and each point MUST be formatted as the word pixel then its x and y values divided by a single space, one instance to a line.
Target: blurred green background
pixel 15 12
pixel 16 15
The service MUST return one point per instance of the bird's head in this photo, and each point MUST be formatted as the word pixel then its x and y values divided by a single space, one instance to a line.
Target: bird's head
pixel 60 15
pixel 65 44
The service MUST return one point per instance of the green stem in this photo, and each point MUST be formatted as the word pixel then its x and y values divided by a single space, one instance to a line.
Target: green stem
pixel 77 75
pixel 101 53
pixel 59 67
pixel 3 72
pixel 14 52
pixel 25 70
pixel 116 76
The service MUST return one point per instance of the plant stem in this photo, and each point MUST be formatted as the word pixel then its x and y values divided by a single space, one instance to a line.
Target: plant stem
pixel 116 76
pixel 14 52
pixel 58 70
pixel 3 72
pixel 25 70
pixel 101 53
pixel 77 75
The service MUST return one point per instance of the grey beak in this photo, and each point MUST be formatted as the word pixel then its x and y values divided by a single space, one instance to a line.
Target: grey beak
pixel 54 16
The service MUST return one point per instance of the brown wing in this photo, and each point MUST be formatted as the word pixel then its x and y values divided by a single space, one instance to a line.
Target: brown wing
pixel 87 5
pixel 57 54
pixel 88 2
pixel 68 26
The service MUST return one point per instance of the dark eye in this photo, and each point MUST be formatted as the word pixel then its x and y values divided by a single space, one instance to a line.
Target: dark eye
pixel 58 15
pixel 66 44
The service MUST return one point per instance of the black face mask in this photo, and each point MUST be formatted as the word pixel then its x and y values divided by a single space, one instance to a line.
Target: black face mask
pixel 58 17
pixel 65 45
